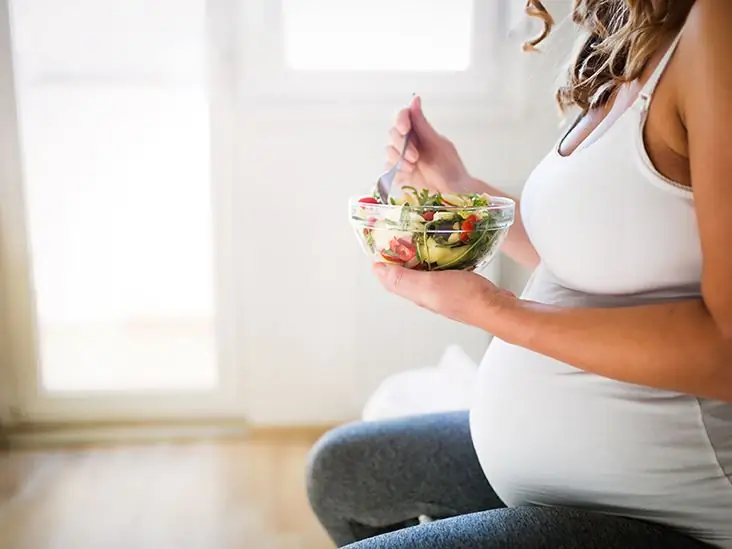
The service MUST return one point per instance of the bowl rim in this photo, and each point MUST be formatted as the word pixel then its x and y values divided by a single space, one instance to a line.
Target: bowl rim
pixel 498 203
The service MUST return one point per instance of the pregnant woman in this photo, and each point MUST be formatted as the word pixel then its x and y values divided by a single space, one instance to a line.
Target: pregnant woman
pixel 603 416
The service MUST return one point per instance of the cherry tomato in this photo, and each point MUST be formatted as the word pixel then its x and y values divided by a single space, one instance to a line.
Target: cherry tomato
pixel 368 200
pixel 472 218
pixel 403 248
pixel 468 227
pixel 464 237
pixel 429 216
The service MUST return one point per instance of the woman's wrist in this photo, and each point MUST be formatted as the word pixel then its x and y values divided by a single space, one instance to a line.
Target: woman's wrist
pixel 499 312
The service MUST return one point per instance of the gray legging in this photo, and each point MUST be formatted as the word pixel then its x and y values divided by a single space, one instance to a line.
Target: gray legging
pixel 369 482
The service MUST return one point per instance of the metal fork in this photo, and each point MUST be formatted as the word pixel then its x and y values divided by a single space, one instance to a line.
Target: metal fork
pixel 386 180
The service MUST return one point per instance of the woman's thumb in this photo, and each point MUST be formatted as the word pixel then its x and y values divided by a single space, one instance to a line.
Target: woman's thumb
pixel 422 127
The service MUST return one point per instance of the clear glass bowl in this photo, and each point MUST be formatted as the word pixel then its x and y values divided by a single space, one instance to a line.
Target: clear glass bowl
pixel 434 238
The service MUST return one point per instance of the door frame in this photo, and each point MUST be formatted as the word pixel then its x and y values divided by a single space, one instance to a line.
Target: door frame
pixel 23 399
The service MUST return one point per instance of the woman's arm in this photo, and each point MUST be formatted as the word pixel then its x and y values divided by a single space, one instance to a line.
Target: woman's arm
pixel 679 346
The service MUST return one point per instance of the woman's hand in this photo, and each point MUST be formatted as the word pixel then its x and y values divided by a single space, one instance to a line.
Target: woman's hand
pixel 459 295
pixel 431 161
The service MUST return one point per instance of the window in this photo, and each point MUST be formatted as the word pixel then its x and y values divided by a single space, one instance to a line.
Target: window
pixel 320 51
pixel 378 35
pixel 114 135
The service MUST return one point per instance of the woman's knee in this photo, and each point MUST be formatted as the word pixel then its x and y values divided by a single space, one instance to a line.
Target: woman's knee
pixel 333 464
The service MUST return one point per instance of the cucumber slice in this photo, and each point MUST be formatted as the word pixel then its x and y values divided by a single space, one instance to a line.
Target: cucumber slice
pixel 432 252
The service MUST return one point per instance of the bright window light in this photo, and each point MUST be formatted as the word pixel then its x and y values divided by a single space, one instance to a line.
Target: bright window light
pixel 113 112
pixel 378 35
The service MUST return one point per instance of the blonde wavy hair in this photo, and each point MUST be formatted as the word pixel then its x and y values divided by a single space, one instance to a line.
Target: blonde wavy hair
pixel 618 40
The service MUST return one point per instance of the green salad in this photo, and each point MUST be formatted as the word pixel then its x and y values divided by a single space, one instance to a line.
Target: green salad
pixel 433 231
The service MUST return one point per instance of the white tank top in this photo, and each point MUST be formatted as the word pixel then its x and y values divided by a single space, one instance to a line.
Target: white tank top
pixel 611 231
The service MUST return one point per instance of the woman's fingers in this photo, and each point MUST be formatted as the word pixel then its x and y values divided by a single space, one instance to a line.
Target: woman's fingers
pixel 403 121
pixel 402 125
pixel 396 140
pixel 392 157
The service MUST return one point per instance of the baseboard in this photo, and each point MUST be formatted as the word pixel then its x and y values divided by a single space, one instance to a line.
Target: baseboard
pixel 4 440
pixel 308 433
pixel 29 436
pixel 85 436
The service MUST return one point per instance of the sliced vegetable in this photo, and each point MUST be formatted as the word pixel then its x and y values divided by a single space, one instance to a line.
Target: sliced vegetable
pixel 403 248
pixel 390 256
pixel 458 201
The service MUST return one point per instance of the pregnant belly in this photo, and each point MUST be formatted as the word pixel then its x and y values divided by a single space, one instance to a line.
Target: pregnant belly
pixel 549 434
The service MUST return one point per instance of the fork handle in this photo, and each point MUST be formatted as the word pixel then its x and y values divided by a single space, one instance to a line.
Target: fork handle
pixel 407 138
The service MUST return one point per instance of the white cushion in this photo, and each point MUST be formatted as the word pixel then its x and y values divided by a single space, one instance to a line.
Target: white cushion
pixel 442 388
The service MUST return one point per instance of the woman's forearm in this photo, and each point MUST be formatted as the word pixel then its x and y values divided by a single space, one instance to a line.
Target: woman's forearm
pixel 674 346
pixel 517 245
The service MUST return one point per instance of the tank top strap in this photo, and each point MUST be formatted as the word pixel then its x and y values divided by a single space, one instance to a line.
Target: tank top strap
pixel 646 94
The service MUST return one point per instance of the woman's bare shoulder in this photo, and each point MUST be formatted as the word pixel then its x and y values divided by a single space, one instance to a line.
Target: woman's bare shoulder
pixel 704 59
pixel 707 38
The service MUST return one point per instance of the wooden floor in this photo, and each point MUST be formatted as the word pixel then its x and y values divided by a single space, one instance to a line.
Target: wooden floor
pixel 219 495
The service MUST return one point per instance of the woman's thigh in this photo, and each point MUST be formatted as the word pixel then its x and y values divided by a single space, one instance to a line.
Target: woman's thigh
pixel 533 528
pixel 369 477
